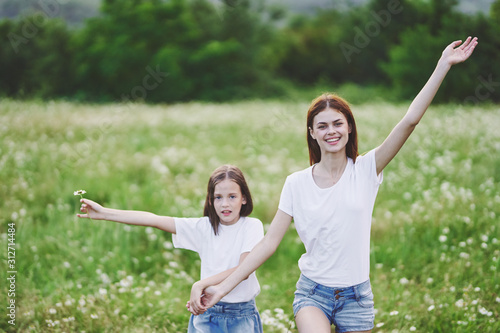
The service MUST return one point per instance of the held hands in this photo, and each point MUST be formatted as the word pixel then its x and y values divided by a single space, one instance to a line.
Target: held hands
pixel 92 209
pixel 202 299
pixel 454 54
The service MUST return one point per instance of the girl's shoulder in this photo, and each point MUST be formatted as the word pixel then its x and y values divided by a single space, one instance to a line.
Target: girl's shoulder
pixel 251 221
pixel 252 227
pixel 304 173
pixel 203 219
pixel 193 222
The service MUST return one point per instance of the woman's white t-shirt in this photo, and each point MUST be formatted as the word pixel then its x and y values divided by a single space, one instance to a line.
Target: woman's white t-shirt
pixel 334 223
pixel 221 252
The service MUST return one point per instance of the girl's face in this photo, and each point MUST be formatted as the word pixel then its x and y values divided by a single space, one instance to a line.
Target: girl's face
pixel 331 131
pixel 228 201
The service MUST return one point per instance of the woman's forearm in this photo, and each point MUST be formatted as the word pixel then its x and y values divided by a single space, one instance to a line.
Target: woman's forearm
pixel 260 253
pixel 426 95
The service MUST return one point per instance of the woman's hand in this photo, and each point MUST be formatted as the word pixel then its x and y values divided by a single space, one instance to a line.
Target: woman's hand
pixel 92 210
pixel 211 296
pixel 454 54
pixel 203 299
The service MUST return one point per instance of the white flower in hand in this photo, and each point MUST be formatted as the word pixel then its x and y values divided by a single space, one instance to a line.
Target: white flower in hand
pixel 80 193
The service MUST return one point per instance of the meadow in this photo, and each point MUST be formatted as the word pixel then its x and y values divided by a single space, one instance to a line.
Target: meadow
pixel 435 235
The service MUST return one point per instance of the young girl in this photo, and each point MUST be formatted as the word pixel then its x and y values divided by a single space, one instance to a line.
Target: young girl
pixel 222 238
pixel 331 203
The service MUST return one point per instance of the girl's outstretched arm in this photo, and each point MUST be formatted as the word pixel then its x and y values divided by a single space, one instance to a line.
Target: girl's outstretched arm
pixel 259 254
pixel 97 212
pixel 452 54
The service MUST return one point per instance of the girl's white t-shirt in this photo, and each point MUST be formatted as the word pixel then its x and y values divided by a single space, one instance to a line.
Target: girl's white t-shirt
pixel 334 223
pixel 221 252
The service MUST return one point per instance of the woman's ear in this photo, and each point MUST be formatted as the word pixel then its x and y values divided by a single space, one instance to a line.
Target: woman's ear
pixel 311 133
pixel 350 128
pixel 244 201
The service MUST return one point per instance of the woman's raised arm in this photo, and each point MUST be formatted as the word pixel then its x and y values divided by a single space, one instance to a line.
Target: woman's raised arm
pixel 452 54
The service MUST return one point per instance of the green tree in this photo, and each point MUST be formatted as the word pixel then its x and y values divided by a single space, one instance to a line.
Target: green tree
pixel 52 72
pixel 240 55
pixel 202 51
pixel 118 50
pixel 347 46
pixel 412 61
pixel 495 11
pixel 12 63
pixel 312 52
pixel 35 57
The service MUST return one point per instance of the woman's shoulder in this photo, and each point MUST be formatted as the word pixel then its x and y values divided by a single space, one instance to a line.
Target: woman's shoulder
pixel 366 157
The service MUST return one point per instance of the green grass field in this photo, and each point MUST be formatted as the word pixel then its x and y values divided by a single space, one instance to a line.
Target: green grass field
pixel 435 234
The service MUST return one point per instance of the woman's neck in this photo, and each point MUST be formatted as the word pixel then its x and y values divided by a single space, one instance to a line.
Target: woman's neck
pixel 330 169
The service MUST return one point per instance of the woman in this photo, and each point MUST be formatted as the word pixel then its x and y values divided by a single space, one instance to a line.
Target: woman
pixel 331 203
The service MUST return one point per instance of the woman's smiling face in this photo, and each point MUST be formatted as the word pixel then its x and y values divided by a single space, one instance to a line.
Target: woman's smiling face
pixel 331 131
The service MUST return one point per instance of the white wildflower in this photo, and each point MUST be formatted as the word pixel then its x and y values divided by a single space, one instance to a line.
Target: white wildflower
pixel 80 193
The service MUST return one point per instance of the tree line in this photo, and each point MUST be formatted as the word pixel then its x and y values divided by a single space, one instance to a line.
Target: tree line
pixel 183 50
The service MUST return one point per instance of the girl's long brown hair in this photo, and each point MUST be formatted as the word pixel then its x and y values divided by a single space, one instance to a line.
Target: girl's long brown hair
pixel 221 173
pixel 331 101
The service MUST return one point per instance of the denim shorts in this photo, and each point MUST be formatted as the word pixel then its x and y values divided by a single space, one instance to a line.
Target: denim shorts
pixel 349 308
pixel 227 318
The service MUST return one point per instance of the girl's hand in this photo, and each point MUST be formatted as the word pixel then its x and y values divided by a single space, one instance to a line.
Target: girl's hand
pixel 195 305
pixel 454 54
pixel 92 209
